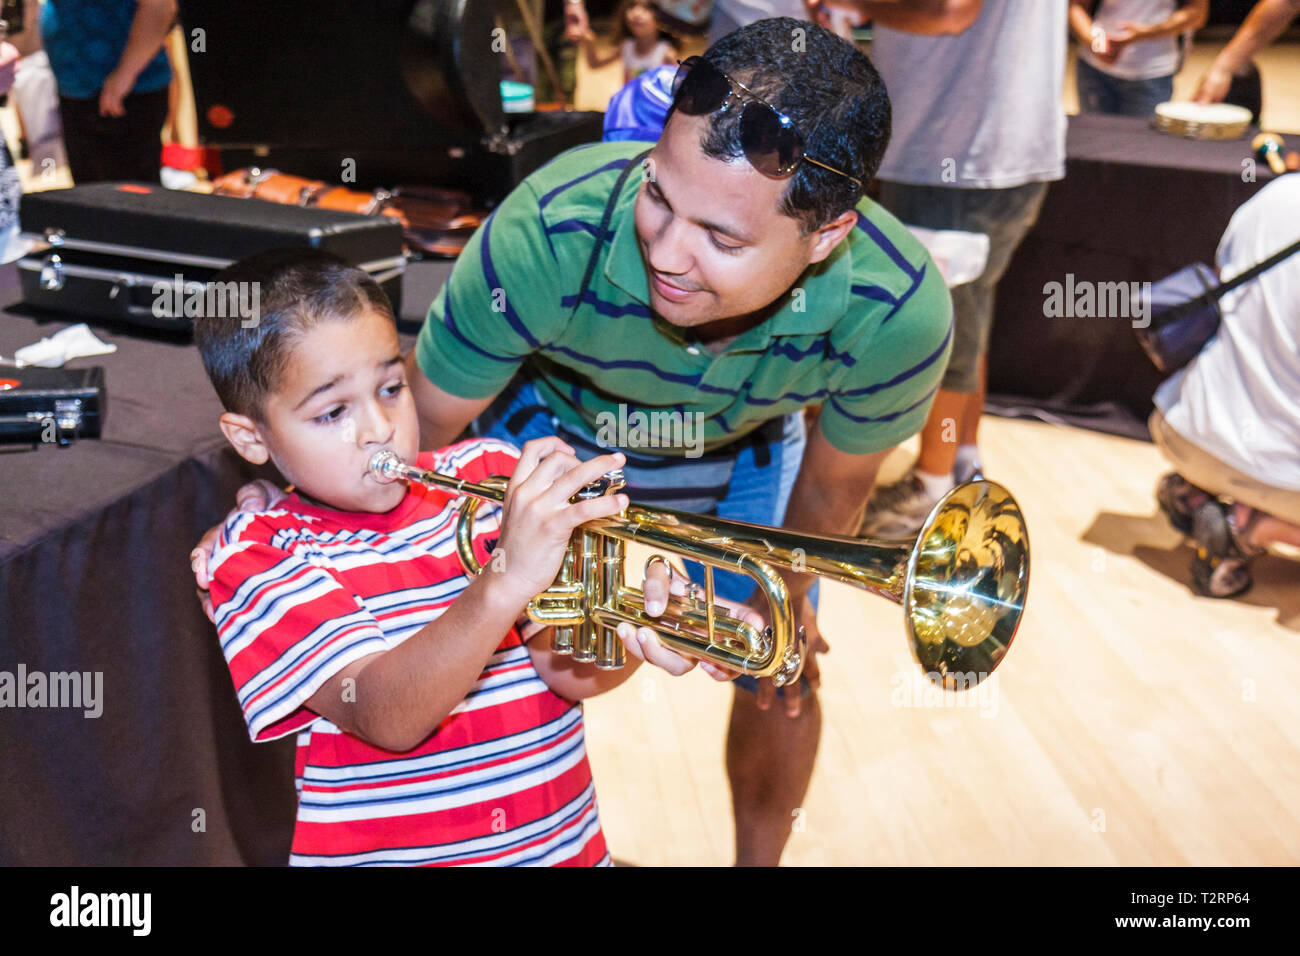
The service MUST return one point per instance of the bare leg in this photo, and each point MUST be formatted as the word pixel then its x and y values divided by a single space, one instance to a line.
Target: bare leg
pixel 1267 530
pixel 970 421
pixel 769 761
pixel 941 431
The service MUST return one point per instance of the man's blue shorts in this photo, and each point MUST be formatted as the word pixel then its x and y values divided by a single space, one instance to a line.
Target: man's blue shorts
pixel 749 480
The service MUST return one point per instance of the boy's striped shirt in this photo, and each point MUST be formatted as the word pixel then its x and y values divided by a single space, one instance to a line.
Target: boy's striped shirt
pixel 866 331
pixel 300 592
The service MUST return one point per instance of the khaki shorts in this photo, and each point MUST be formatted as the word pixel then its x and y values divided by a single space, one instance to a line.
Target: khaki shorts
pixel 1205 471
pixel 1005 216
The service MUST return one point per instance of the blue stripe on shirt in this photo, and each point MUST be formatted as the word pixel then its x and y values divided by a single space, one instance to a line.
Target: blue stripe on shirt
pixel 606 308
pixel 889 249
pixel 916 284
pixel 449 321
pixel 573 225
pixel 545 200
pixel 904 375
pixel 867 419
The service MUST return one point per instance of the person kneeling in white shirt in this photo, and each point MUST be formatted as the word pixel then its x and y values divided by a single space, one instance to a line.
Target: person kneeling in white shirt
pixel 1229 422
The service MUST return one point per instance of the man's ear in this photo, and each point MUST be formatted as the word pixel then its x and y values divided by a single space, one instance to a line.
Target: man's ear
pixel 831 235
pixel 246 435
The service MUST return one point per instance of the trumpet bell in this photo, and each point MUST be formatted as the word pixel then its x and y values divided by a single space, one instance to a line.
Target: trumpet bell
pixel 967 579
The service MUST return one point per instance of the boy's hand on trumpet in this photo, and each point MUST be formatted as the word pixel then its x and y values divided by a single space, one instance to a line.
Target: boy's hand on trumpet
pixel 537 518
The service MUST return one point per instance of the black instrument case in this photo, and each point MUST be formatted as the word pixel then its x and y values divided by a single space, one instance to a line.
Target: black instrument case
pixel 137 252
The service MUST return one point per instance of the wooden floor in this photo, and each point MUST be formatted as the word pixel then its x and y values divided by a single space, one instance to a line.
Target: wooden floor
pixel 1132 723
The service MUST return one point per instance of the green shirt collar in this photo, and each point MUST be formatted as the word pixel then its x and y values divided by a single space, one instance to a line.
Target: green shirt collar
pixel 825 284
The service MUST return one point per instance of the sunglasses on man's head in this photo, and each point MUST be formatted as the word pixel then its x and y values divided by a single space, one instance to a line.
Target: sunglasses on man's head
pixel 770 140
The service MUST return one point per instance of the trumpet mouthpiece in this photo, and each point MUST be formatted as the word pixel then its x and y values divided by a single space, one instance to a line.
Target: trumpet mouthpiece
pixel 384 466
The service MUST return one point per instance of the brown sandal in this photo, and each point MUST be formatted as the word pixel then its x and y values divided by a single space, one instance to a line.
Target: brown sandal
pixel 1221 567
pixel 1178 499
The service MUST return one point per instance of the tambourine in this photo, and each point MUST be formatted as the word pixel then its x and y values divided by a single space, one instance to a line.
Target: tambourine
pixel 1202 120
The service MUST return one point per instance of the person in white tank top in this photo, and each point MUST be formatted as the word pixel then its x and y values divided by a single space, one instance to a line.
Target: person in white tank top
pixel 636 39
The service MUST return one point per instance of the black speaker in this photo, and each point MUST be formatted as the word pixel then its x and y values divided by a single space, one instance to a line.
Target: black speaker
pixel 392 91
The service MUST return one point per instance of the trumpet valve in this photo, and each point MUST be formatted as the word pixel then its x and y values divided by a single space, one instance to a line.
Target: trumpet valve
pixel 606 484
pixel 792 660
pixel 562 640
pixel 610 653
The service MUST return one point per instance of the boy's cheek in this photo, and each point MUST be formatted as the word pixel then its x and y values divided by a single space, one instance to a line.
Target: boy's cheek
pixel 408 430
pixel 298 454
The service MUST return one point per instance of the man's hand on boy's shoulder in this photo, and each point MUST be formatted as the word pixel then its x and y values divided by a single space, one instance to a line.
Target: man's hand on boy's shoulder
pixel 257 495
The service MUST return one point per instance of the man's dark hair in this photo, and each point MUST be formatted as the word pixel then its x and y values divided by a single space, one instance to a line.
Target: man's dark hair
pixel 296 290
pixel 831 92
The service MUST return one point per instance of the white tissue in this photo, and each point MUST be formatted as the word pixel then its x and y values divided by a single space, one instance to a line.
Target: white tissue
pixel 960 256
pixel 76 341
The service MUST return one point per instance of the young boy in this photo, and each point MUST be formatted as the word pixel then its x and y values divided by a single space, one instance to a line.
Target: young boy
pixel 429 731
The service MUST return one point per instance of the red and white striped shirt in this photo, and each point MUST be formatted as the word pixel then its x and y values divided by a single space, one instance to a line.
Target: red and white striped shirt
pixel 301 591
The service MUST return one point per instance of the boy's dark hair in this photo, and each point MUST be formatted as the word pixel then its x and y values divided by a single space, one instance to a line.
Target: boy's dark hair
pixel 831 92
pixel 296 290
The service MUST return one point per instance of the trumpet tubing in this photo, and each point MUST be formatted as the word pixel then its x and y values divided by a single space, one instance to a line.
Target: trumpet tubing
pixel 962 581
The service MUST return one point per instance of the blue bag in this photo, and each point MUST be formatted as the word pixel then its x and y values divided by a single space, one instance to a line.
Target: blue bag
pixel 1184 311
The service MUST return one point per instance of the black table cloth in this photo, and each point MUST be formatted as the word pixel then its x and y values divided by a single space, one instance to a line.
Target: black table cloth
pixel 95 577
pixel 1135 205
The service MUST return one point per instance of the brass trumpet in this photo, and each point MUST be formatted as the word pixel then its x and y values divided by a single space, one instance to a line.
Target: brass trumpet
pixel 962 582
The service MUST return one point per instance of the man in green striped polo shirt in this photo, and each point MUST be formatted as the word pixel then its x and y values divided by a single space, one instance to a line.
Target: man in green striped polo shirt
pixel 739 277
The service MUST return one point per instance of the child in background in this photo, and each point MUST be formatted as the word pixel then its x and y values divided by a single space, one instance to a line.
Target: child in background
pixel 636 41
pixel 1129 51
pixel 429 730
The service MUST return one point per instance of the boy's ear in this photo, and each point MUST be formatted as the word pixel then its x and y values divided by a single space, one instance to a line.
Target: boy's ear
pixel 246 435
pixel 830 235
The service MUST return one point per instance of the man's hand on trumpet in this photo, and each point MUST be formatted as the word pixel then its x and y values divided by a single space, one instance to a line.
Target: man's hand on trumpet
pixel 642 642
pixel 805 616
pixel 660 579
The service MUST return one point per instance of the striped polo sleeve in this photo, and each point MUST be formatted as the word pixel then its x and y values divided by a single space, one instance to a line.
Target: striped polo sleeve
pixel 286 624
pixel 898 354
pixel 500 304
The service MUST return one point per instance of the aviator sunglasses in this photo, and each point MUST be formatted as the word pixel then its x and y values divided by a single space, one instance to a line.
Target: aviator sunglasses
pixel 769 138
